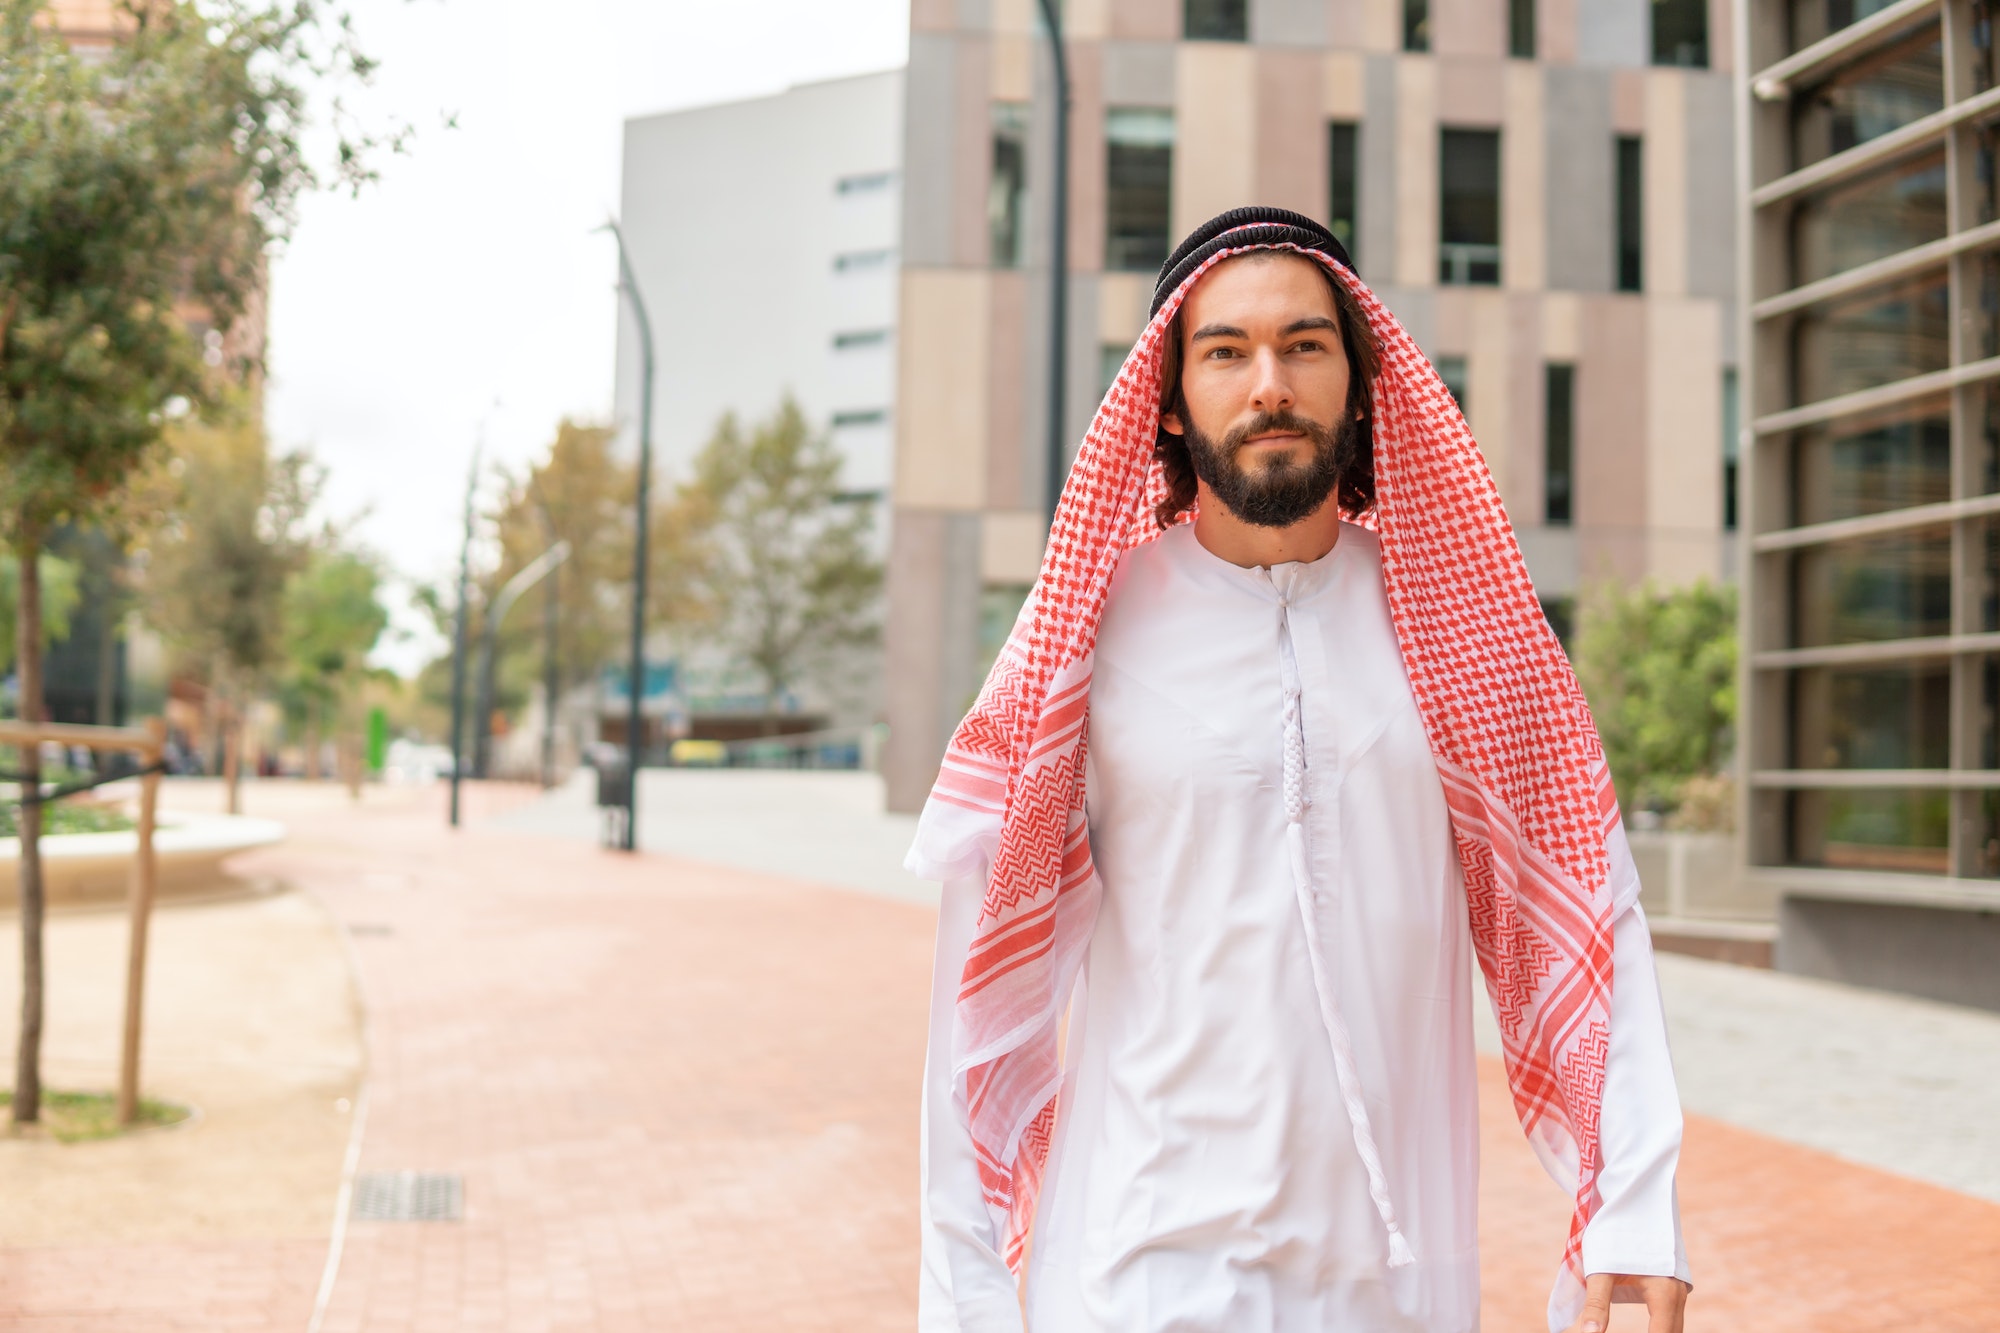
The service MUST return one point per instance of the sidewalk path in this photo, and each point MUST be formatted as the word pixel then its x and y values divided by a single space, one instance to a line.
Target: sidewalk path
pixel 220 1223
pixel 682 1096
pixel 824 826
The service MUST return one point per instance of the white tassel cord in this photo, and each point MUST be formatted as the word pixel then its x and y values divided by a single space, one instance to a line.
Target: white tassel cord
pixel 1400 1254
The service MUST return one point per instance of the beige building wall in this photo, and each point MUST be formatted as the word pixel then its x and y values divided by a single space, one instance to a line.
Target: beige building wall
pixel 943 387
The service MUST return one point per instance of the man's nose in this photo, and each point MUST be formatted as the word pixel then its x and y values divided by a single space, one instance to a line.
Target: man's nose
pixel 1271 390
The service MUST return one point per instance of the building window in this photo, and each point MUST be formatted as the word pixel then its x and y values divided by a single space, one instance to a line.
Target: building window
pixel 1139 173
pixel 1521 29
pixel 1216 20
pixel 1469 207
pixel 867 182
pixel 863 416
pixel 1731 447
pixel 1416 25
pixel 1110 360
pixel 1875 731
pixel 1451 369
pixel 1813 20
pixel 1559 446
pixel 1869 98
pixel 1631 215
pixel 1007 188
pixel 1858 221
pixel 860 261
pixel 1680 32
pixel 1343 176
pixel 855 339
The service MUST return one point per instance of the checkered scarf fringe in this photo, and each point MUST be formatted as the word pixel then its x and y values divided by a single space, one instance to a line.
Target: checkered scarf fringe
pixel 1524 776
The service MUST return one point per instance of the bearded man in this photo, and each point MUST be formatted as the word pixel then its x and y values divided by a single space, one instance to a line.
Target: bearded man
pixel 1280 743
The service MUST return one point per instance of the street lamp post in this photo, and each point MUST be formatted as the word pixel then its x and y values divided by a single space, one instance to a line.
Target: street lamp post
pixel 482 723
pixel 551 618
pixel 1058 259
pixel 458 634
pixel 636 682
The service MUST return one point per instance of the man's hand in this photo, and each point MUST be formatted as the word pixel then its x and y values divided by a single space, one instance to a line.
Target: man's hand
pixel 1665 1298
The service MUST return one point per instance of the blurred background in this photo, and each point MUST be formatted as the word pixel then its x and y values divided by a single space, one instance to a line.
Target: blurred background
pixel 431 414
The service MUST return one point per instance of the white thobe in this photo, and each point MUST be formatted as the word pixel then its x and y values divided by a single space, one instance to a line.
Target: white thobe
pixel 1204 1173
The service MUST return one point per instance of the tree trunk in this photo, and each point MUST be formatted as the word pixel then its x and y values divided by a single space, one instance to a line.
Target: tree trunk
pixel 315 738
pixel 232 753
pixel 28 655
pixel 351 752
pixel 107 664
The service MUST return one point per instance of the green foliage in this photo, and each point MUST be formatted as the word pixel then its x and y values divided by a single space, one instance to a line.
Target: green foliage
pixel 333 615
pixel 80 1117
pixel 66 817
pixel 234 536
pixel 1659 669
pixel 580 493
pixel 777 570
pixel 139 191
pixel 60 591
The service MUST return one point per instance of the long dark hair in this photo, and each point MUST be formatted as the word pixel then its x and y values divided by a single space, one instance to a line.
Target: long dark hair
pixel 1355 491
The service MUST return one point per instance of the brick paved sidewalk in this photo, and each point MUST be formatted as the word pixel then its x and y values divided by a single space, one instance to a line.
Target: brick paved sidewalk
pixel 683 1097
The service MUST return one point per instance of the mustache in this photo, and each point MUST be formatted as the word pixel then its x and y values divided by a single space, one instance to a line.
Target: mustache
pixel 1266 423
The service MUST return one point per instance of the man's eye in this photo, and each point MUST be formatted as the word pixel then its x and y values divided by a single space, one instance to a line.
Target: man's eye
pixel 1308 346
pixel 1218 353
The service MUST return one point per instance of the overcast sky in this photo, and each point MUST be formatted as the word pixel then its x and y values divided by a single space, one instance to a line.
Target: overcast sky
pixel 470 275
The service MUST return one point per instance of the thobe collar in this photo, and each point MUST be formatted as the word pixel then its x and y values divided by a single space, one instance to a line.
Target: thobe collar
pixel 1294 580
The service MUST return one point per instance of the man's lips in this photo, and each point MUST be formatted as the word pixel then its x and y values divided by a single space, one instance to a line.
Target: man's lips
pixel 1276 437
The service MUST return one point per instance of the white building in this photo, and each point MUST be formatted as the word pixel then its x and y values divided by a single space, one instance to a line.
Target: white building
pixel 764 238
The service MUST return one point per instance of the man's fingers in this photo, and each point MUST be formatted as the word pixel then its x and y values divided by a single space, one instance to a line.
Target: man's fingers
pixel 1596 1316
pixel 1666 1299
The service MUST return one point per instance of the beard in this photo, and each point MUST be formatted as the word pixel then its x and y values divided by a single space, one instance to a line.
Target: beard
pixel 1282 491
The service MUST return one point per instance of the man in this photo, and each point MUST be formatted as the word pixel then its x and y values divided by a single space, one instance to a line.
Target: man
pixel 1239 804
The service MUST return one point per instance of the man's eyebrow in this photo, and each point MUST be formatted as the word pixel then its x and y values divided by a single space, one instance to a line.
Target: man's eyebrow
pixel 1312 322
pixel 1217 331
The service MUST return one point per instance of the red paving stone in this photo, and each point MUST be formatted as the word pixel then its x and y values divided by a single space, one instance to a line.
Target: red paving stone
pixel 1782 1239
pixel 211 1284
pixel 683 1097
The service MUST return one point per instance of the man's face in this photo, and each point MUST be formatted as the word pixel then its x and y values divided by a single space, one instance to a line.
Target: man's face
pixel 1264 379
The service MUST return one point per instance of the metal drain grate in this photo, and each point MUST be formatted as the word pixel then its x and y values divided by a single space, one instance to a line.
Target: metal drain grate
pixel 408 1196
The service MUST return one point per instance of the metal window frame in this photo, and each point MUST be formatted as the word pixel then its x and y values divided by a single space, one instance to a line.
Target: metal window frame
pixel 1767 190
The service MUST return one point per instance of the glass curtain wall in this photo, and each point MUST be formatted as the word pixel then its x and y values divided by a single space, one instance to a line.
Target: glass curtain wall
pixel 1872 489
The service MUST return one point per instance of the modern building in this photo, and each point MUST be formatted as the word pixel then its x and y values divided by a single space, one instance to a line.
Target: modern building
pixel 1543 191
pixel 763 240
pixel 763 236
pixel 1871 614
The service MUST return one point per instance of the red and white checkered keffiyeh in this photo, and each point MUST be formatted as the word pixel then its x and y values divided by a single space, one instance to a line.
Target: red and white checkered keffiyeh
pixel 1524 775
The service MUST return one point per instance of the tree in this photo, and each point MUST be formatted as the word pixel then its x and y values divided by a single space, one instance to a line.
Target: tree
pixel 58 580
pixel 139 191
pixel 779 562
pixel 580 493
pixel 1659 669
pixel 332 617
pixel 233 538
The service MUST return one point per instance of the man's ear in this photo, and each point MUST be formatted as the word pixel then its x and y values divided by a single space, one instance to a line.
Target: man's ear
pixel 1171 423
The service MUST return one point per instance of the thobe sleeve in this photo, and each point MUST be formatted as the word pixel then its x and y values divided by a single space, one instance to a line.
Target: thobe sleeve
pixel 1637 1228
pixel 965 1285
